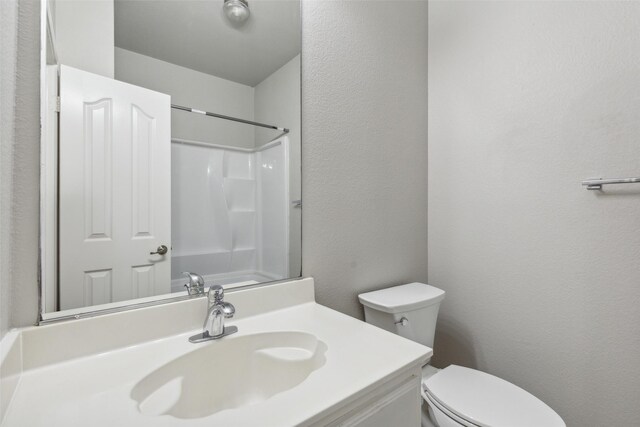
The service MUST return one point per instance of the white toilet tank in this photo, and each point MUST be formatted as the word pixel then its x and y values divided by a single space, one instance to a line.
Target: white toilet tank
pixel 410 311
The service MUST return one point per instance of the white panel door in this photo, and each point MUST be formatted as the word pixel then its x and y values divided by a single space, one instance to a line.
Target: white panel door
pixel 115 190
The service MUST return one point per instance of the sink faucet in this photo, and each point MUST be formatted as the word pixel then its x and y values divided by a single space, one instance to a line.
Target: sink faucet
pixel 195 285
pixel 218 310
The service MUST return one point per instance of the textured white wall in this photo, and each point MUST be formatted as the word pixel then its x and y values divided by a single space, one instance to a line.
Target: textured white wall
pixel 364 154
pixel 542 277
pixel 8 46
pixel 277 102
pixel 194 89
pixel 19 162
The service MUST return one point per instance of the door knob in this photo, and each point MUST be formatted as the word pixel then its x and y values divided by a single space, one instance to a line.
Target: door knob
pixel 162 249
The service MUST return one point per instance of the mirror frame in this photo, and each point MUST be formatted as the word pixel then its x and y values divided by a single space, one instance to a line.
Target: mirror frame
pixel 45 318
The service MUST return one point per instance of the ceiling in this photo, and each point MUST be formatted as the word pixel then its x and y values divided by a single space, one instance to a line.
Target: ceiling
pixel 196 34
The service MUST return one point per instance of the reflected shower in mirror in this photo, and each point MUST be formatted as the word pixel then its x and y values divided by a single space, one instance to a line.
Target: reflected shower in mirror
pixel 171 144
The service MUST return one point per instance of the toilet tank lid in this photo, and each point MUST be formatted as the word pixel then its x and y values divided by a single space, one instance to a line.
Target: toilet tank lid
pixel 402 298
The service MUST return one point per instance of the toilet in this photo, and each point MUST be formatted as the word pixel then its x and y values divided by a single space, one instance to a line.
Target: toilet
pixel 454 396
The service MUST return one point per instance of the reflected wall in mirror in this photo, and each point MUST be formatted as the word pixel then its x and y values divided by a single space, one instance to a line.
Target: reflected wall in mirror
pixel 171 144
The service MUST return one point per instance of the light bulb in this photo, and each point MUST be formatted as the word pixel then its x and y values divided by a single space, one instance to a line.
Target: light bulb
pixel 236 10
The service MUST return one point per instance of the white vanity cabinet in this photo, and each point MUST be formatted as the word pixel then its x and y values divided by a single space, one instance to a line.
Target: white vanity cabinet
pixel 396 403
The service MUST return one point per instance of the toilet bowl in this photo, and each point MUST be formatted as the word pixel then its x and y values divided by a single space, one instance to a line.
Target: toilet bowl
pixel 454 396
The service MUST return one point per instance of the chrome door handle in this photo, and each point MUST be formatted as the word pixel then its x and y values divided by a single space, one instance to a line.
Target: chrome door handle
pixel 162 249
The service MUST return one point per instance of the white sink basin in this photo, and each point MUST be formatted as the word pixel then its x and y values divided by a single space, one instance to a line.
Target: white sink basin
pixel 229 373
pixel 138 369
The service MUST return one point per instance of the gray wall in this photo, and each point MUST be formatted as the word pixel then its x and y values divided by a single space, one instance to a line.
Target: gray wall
pixel 85 34
pixel 364 147
pixel 542 277
pixel 19 157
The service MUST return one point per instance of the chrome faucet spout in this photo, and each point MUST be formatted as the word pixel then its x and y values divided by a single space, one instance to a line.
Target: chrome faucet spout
pixel 214 323
pixel 218 310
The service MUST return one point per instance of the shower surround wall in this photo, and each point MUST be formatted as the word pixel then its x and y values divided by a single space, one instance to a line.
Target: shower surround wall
pixel 229 212
pixel 275 100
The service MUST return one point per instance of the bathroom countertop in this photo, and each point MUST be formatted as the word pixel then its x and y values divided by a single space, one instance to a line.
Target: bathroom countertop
pixel 95 390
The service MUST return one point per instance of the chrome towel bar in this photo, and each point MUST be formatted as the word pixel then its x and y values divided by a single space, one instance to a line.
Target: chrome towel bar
pixel 596 184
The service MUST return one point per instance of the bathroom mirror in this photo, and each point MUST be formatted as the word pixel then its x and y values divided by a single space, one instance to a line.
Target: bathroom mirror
pixel 170 144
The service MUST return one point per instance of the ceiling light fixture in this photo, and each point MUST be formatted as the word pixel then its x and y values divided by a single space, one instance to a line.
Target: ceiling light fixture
pixel 236 10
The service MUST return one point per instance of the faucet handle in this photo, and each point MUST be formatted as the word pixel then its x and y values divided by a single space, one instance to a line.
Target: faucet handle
pixel 216 294
pixel 216 297
pixel 228 309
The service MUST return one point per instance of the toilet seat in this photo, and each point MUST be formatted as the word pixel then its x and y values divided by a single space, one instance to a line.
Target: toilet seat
pixel 475 398
pixel 431 403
